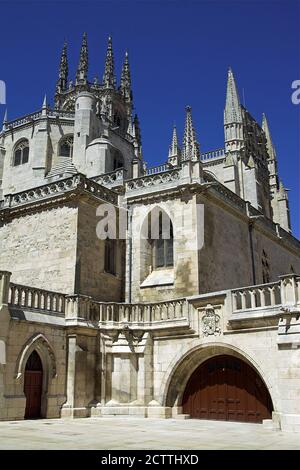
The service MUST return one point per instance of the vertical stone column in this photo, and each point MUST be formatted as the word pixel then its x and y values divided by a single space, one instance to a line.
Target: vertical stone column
pixel 4 287
pixel 289 289
pixel 80 377
pixel 4 330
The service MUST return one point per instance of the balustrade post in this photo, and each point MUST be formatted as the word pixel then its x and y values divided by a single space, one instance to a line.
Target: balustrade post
pixel 253 298
pixel 4 287
pixel 243 297
pixel 289 289
pixel 262 297
pixel 272 296
pixel 234 301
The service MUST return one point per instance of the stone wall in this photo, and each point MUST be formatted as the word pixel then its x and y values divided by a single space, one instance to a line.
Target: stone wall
pixel 91 278
pixel 40 248
pixel 43 149
pixel 23 337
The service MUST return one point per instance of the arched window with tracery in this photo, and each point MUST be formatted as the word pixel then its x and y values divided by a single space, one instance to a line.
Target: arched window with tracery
pixel 161 238
pixel 21 153
pixel 65 148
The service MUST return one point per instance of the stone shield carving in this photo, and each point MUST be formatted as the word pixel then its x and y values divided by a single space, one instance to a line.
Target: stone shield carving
pixel 211 322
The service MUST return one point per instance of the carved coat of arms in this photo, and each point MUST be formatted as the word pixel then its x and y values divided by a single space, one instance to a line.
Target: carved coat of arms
pixel 211 322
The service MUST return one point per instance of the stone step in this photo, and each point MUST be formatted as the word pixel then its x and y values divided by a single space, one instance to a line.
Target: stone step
pixel 182 416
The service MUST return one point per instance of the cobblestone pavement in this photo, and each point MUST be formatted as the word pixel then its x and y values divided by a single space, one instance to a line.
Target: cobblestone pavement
pixel 133 433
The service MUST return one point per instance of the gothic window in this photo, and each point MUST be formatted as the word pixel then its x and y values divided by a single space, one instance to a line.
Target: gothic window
pixel 162 247
pixel 110 256
pixel 21 153
pixel 265 268
pixel 117 160
pixel 66 147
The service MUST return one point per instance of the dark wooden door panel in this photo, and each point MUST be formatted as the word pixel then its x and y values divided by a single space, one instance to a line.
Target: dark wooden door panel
pixel 226 388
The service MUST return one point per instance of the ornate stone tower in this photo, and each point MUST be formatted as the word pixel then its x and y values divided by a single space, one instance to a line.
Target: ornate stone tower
pixel 246 151
pixel 106 135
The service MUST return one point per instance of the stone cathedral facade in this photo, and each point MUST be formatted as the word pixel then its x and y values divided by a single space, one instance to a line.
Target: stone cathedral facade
pixel 202 323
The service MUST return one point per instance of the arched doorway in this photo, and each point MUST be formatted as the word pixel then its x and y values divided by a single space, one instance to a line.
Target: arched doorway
pixel 33 385
pixel 227 388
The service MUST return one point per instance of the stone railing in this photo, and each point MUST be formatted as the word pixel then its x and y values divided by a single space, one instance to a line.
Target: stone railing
pixel 42 192
pixel 58 188
pixel 153 180
pixel 260 296
pixel 157 169
pixel 60 113
pixel 23 120
pixel 33 298
pixel 29 118
pixel 218 153
pixel 85 308
pixel 99 191
pixel 113 178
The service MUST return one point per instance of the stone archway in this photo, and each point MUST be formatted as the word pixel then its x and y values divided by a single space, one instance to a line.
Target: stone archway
pixel 226 388
pixel 189 360
pixel 33 386
pixel 39 344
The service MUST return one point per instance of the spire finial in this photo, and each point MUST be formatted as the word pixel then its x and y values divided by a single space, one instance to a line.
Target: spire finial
pixel 45 102
pixel 270 146
pixel 190 148
pixel 174 150
pixel 83 65
pixel 125 83
pixel 109 79
pixel 4 121
pixel 233 111
pixel 63 70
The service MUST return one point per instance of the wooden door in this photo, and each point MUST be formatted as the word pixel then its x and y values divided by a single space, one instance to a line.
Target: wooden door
pixel 33 385
pixel 226 388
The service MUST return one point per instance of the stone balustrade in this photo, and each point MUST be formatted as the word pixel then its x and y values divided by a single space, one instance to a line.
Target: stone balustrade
pixel 113 178
pixel 157 169
pixel 23 120
pixel 218 153
pixel 85 308
pixel 33 298
pixel 285 292
pixel 153 180
pixel 29 118
pixel 265 295
pixel 283 295
pixel 58 188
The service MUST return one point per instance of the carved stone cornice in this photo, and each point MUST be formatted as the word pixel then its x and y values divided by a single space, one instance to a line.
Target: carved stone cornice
pixel 56 192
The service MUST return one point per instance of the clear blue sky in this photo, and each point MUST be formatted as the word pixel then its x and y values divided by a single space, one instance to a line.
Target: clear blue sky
pixel 179 55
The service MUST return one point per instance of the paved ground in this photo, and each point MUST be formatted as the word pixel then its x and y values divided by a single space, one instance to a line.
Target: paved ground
pixel 123 433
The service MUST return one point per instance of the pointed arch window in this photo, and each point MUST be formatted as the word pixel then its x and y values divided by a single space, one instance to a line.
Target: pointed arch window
pixel 163 243
pixel 21 153
pixel 66 147
pixel 110 256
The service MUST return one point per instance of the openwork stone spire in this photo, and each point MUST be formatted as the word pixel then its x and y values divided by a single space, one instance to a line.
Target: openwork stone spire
pixel 82 69
pixel 109 78
pixel 190 148
pixel 63 71
pixel 233 110
pixel 125 84
pixel 174 150
pixel 270 146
